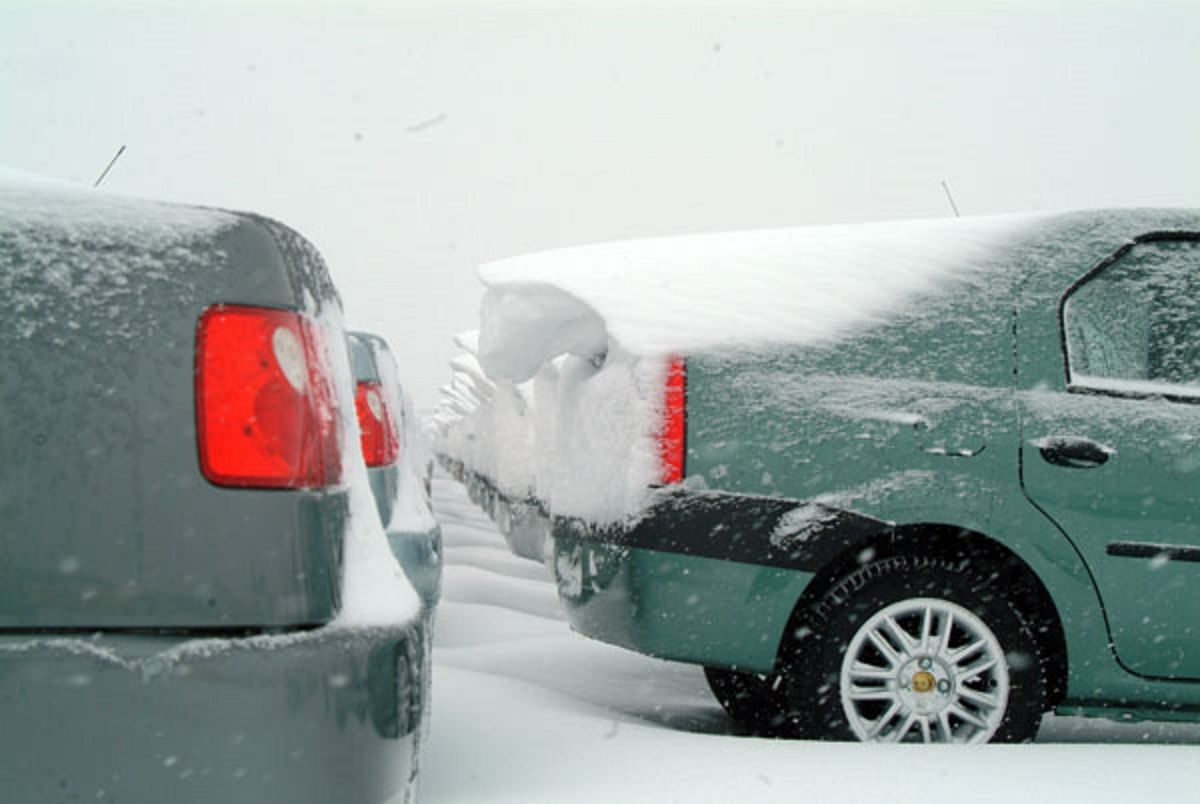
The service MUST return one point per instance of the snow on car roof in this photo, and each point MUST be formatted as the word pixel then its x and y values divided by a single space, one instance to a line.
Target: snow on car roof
pixel 70 253
pixel 29 201
pixel 704 291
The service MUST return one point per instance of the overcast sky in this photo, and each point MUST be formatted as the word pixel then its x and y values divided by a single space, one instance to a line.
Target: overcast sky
pixel 411 141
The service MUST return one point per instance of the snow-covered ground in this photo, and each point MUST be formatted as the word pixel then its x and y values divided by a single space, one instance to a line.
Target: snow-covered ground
pixel 524 710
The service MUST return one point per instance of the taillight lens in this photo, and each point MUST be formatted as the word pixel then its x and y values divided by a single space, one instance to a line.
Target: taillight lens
pixel 380 440
pixel 672 436
pixel 266 415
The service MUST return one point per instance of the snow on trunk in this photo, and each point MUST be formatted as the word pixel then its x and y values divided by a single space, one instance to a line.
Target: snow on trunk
pixel 702 292
pixel 583 335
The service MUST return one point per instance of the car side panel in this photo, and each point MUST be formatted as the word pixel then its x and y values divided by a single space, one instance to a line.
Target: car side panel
pixel 908 426
pixel 971 494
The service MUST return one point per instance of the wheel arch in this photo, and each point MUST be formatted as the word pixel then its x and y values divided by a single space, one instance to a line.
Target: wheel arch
pixel 953 543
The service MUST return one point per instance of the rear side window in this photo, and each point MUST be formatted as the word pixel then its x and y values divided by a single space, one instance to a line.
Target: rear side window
pixel 1133 323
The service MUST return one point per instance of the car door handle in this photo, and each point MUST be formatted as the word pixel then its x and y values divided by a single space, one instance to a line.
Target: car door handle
pixel 1073 452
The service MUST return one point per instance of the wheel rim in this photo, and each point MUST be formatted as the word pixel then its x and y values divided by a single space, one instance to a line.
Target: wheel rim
pixel 924 670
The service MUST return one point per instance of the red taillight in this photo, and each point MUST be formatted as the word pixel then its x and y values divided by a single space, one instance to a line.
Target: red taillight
pixel 266 414
pixel 672 437
pixel 380 441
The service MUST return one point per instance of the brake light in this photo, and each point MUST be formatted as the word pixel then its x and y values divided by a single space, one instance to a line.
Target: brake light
pixel 380 441
pixel 266 414
pixel 672 436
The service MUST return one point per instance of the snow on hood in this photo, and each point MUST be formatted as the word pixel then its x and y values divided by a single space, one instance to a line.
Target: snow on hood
pixel 696 292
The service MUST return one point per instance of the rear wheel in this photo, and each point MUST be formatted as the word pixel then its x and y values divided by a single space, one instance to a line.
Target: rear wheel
pixel 915 649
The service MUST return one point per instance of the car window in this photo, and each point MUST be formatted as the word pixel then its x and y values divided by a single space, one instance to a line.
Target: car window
pixel 1134 325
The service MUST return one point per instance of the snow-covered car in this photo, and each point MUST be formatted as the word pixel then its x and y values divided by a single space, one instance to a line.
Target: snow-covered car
pixel 396 465
pixel 198 602
pixel 920 481
pixel 485 441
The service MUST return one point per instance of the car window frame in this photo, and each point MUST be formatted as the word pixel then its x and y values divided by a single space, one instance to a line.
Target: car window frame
pixel 1187 395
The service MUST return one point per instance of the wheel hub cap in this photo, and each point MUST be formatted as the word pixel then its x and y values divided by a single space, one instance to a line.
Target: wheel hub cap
pixel 923 682
pixel 924 670
pixel 925 690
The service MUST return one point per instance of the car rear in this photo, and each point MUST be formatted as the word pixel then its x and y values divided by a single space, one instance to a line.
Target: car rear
pixel 176 506
pixel 395 465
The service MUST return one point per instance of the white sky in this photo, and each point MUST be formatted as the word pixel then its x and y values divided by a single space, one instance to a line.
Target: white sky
pixel 413 140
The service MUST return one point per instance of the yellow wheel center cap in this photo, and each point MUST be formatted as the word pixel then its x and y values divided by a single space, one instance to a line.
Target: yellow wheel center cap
pixel 923 682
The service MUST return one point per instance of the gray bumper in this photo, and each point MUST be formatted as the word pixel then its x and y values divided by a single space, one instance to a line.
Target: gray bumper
pixel 316 716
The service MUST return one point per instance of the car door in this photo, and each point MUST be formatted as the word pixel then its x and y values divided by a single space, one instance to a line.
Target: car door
pixel 1114 457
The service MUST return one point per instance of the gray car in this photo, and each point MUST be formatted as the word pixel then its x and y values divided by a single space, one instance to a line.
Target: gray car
pixel 178 517
pixel 398 472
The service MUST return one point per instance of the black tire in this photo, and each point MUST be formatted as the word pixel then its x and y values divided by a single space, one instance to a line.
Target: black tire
pixel 822 632
pixel 757 702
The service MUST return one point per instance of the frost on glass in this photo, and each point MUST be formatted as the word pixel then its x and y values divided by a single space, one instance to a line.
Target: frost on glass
pixel 1134 326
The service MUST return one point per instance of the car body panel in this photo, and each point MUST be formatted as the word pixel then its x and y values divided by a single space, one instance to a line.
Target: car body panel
pixel 675 606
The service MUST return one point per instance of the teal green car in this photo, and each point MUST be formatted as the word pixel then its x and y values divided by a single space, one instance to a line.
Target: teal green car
pixel 975 510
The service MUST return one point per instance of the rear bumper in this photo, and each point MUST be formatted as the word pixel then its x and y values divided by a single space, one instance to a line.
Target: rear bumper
pixel 525 527
pixel 709 577
pixel 332 714
pixel 522 520
pixel 672 605
pixel 696 579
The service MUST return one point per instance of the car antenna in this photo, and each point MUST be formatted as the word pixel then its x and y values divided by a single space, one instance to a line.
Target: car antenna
pixel 111 162
pixel 949 198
